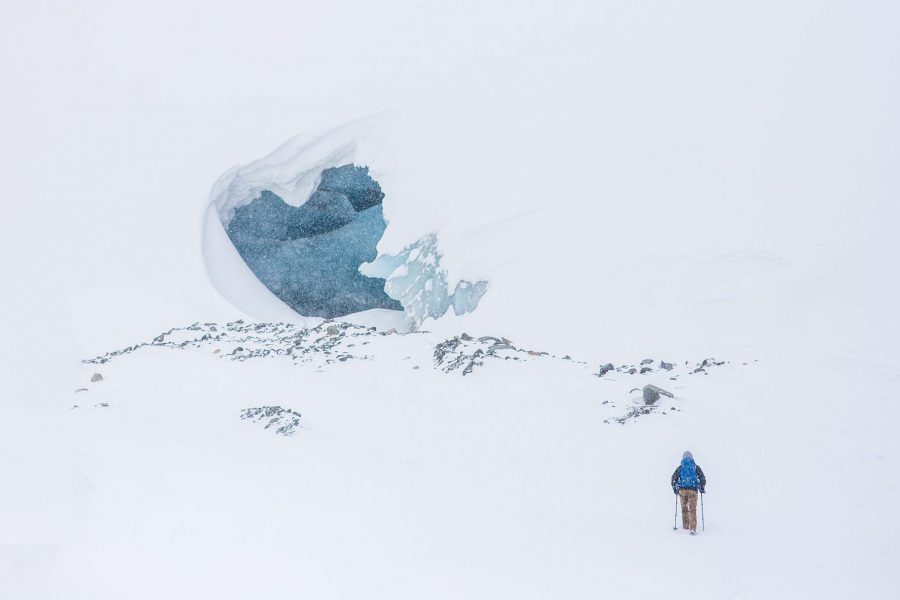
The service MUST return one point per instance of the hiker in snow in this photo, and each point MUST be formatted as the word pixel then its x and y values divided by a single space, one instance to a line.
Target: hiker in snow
pixel 687 480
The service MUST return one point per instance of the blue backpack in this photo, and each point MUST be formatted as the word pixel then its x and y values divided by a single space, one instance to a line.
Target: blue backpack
pixel 687 477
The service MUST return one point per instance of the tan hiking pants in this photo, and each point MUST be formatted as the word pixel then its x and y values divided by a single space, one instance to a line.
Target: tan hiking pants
pixel 688 509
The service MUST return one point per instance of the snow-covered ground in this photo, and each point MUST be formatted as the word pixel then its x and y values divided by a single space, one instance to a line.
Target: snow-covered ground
pixel 405 480
pixel 635 180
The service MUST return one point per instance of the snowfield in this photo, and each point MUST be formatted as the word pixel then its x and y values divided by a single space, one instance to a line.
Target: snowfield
pixel 633 180
pixel 403 479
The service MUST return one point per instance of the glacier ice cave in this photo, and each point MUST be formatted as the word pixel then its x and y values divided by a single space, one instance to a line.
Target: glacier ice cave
pixel 295 234
pixel 309 255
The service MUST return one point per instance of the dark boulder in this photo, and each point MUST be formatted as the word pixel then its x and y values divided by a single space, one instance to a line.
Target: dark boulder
pixel 605 369
pixel 652 394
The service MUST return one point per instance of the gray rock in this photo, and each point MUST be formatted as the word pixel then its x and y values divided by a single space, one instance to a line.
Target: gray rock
pixel 605 369
pixel 652 394
pixel 333 330
pixel 711 362
pixel 646 370
pixel 96 377
pixel 647 361
pixel 667 366
pixel 475 362
pixel 283 420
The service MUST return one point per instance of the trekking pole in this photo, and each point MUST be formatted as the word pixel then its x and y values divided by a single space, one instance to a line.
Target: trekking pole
pixel 702 517
pixel 676 513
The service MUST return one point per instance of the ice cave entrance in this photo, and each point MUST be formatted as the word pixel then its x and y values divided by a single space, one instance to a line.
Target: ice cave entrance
pixel 309 255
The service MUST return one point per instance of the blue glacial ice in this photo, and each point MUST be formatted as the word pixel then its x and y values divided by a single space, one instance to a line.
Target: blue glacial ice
pixel 415 278
pixel 299 234
pixel 309 255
